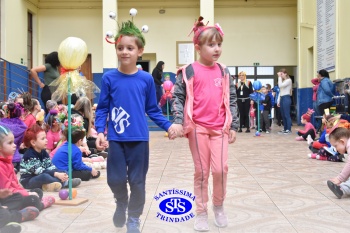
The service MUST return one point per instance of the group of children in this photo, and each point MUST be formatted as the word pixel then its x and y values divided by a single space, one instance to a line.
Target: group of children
pixel 26 140
pixel 332 145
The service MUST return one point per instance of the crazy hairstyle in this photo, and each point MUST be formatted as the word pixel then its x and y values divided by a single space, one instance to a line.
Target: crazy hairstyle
pixel 31 134
pixel 128 28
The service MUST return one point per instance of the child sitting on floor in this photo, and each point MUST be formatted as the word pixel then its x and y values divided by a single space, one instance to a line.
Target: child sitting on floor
pixel 17 198
pixel 309 129
pixel 37 170
pixel 53 134
pixel 60 160
pixel 340 185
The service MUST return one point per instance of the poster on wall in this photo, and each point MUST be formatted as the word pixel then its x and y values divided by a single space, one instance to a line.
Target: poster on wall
pixel 185 53
pixel 326 34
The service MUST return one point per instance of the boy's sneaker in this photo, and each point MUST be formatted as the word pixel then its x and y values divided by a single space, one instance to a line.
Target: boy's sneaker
pixel 201 222
pixel 76 182
pixel 29 213
pixel 287 132
pixel 119 217
pixel 220 216
pixel 48 201
pixel 335 189
pixel 52 187
pixel 11 227
pixel 133 225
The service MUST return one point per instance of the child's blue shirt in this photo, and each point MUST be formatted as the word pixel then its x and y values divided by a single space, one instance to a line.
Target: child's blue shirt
pixel 60 159
pixel 124 100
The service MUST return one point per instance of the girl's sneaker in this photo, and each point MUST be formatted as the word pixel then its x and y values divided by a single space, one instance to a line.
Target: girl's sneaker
pixel 335 189
pixel 220 216
pixel 29 213
pixel 312 156
pixel 52 187
pixel 48 201
pixel 299 138
pixel 201 222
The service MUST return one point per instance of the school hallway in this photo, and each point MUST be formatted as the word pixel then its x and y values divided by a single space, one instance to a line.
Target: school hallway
pixel 272 187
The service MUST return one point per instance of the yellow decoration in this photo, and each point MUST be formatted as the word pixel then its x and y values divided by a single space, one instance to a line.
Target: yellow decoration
pixel 72 53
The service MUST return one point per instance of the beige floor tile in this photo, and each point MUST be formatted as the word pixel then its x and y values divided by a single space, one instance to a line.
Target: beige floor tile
pixel 272 187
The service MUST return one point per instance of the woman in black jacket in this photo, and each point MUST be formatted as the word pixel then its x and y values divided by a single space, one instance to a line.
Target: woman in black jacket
pixel 157 74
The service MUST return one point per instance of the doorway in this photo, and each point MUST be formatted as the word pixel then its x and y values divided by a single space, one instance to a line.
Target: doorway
pixel 144 64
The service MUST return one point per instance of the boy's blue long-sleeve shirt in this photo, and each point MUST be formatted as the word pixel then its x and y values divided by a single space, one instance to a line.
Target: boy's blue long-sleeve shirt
pixel 60 159
pixel 124 100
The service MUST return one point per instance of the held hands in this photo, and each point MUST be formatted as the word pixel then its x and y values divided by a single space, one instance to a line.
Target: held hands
pixel 101 143
pixel 232 137
pixel 174 131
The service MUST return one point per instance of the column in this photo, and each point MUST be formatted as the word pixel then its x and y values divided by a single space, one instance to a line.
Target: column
pixel 207 11
pixel 109 53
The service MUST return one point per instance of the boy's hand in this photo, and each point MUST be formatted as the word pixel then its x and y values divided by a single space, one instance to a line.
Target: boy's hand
pixel 101 143
pixel 61 176
pixel 5 193
pixel 94 172
pixel 232 137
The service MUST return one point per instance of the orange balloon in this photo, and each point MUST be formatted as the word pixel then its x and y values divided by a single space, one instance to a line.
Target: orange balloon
pixel 74 193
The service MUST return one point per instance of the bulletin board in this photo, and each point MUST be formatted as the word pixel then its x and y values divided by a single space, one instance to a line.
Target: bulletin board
pixel 185 53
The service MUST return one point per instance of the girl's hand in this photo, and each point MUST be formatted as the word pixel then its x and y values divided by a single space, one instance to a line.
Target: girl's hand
pixel 5 193
pixel 232 137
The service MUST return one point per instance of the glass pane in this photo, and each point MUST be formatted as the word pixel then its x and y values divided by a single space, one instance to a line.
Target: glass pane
pixel 267 70
pixel 249 70
pixel 232 70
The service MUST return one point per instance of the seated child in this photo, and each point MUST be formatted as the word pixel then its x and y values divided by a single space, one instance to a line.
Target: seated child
pixel 53 134
pixel 60 160
pixel 37 170
pixel 340 185
pixel 309 129
pixel 315 146
pixel 15 197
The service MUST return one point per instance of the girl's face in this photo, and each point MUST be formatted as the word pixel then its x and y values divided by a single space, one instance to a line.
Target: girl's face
pixel 8 146
pixel 241 77
pixel 209 52
pixel 303 121
pixel 41 141
pixel 339 145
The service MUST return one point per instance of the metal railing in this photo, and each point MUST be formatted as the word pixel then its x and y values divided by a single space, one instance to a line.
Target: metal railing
pixel 16 78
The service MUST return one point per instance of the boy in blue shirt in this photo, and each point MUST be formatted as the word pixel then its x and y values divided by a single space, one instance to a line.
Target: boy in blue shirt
pixel 126 95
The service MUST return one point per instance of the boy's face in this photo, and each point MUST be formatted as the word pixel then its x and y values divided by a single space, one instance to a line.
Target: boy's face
pixel 263 90
pixel 339 145
pixel 128 52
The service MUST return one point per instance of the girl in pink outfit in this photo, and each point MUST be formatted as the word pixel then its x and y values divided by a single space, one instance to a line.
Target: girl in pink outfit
pixel 54 131
pixel 309 129
pixel 205 111
pixel 340 185
pixel 316 83
pixel 252 115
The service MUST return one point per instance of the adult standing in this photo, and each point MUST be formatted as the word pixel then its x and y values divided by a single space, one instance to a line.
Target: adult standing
pixel 51 72
pixel 157 74
pixel 316 83
pixel 324 91
pixel 243 89
pixel 284 100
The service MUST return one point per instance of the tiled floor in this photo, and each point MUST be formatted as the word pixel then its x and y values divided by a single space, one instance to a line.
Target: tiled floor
pixel 272 187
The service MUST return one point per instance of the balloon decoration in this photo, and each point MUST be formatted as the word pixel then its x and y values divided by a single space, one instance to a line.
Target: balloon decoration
pixel 257 85
pixel 72 53
pixel 167 86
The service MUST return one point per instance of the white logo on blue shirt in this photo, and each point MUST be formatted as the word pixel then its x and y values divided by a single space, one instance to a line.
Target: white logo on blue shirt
pixel 120 119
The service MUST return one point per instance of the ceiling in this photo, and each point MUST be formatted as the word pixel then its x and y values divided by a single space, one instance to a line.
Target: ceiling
pixel 142 4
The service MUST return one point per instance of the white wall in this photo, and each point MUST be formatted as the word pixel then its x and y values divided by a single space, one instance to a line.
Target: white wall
pixel 252 34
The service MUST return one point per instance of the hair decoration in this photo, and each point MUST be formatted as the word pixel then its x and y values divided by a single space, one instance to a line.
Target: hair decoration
pixel 76 124
pixel 6 132
pixel 308 114
pixel 126 28
pixel 199 27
